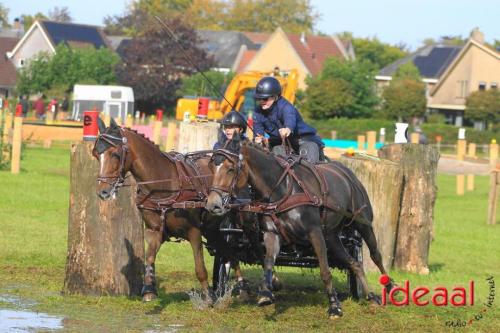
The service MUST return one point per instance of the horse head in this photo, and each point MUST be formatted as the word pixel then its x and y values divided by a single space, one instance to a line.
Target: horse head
pixel 110 149
pixel 230 175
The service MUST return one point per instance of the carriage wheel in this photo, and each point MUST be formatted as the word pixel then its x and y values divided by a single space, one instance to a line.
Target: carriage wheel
pixel 222 268
pixel 355 287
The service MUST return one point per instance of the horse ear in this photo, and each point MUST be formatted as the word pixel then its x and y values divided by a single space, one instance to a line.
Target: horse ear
pixel 113 123
pixel 101 124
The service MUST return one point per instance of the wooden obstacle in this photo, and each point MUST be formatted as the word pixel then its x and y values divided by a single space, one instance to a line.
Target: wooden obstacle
pixel 418 164
pixel 471 153
pixel 195 136
pixel 171 142
pixel 383 180
pixel 105 238
pixel 6 136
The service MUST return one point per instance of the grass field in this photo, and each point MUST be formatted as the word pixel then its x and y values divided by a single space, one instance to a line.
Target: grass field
pixel 33 233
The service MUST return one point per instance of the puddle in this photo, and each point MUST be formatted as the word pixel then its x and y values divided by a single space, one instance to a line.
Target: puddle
pixel 17 301
pixel 26 321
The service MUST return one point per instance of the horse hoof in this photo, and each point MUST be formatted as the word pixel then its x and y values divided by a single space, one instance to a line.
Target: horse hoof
pixel 244 296
pixel 265 298
pixel 375 299
pixel 335 313
pixel 148 297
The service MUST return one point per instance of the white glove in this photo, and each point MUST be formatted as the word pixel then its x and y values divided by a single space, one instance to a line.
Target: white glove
pixel 258 138
pixel 285 132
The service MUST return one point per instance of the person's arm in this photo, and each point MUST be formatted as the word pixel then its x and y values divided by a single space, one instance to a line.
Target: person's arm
pixel 290 117
pixel 258 121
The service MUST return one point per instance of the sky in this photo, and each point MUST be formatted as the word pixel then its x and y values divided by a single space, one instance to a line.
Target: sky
pixel 391 21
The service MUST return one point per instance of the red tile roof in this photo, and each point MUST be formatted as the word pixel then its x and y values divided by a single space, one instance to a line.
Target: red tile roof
pixel 245 60
pixel 315 50
pixel 7 68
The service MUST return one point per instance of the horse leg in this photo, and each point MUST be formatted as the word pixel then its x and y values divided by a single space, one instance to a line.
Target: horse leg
pixel 370 240
pixel 194 238
pixel 341 254
pixel 153 240
pixel 272 245
pixel 242 287
pixel 318 243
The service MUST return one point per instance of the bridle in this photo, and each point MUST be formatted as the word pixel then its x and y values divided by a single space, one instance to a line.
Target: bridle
pixel 227 193
pixel 118 142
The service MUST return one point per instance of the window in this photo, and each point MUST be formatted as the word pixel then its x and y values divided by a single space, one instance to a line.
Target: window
pixel 116 94
pixel 494 85
pixel 482 86
pixel 21 62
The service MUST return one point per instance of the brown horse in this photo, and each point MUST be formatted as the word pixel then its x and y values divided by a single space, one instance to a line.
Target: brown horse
pixel 171 193
pixel 300 204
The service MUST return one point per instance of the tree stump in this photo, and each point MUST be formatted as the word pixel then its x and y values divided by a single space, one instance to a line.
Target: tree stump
pixel 105 238
pixel 419 166
pixel 383 182
pixel 197 136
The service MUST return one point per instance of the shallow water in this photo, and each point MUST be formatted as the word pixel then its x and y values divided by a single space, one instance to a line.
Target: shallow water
pixel 27 321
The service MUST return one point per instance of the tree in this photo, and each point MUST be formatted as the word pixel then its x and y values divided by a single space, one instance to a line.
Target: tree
pixel 60 14
pixel 328 98
pixel 352 91
pixel 154 66
pixel 197 85
pixel 28 20
pixel 484 106
pixel 378 53
pixel 241 15
pixel 404 98
pixel 4 16
pixel 66 68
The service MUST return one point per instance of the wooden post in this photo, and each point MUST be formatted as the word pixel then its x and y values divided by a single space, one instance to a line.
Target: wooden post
pixel 371 137
pixel 383 180
pixel 105 238
pixel 107 120
pixel 197 136
pixel 49 117
pixel 157 131
pixel 461 145
pixel 419 167
pixel 471 153
pixel 171 134
pixel 493 196
pixel 382 135
pixel 129 121
pixel 7 127
pixel 493 154
pixel 361 142
pixel 334 135
pixel 415 138
pixel 17 139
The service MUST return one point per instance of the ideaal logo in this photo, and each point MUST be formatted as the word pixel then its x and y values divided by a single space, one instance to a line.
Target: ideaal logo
pixel 439 296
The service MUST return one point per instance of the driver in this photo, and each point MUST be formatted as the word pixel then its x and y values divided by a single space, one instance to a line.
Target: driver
pixel 233 122
pixel 278 118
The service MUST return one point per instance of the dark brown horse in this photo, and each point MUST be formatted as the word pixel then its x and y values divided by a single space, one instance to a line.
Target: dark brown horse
pixel 171 193
pixel 302 204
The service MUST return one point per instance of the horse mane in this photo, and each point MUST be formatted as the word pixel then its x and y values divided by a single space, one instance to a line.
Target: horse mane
pixel 256 146
pixel 141 135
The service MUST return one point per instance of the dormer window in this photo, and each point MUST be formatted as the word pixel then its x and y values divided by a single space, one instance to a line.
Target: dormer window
pixel 22 62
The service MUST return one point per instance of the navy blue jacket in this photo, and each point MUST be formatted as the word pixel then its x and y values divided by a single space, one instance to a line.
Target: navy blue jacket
pixel 283 114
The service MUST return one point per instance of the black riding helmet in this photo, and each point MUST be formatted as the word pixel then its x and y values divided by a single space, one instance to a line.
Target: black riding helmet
pixel 267 87
pixel 235 118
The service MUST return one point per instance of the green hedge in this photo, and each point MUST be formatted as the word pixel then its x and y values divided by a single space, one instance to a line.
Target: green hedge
pixel 349 129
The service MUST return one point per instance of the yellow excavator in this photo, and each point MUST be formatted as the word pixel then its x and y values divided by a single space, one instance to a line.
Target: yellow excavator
pixel 239 93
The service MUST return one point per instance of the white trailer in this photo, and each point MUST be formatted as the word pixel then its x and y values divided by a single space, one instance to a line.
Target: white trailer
pixel 115 101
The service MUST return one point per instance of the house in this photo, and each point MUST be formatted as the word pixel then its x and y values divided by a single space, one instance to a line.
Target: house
pixel 7 69
pixel 476 67
pixel 451 73
pixel 225 47
pixel 306 53
pixel 44 36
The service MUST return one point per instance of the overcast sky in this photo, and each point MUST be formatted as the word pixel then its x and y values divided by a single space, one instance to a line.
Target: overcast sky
pixel 392 21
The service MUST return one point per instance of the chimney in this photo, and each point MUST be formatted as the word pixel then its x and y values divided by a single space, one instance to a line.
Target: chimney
pixel 303 38
pixel 17 24
pixel 477 35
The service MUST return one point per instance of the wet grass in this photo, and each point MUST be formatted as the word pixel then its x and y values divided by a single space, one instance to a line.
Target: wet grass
pixel 33 234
